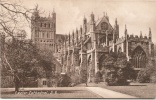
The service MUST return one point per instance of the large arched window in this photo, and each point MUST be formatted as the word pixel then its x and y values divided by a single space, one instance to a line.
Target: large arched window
pixel 139 58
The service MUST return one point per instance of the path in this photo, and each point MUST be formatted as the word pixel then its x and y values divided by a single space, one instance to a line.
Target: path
pixel 105 93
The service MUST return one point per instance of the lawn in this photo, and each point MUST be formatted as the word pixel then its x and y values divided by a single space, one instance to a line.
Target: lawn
pixel 138 90
pixel 45 94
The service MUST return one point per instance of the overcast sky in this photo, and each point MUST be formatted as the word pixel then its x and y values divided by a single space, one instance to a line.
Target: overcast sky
pixel 137 15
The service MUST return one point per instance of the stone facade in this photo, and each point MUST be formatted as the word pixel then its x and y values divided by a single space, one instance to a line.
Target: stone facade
pixel 43 30
pixel 83 48
pixel 43 34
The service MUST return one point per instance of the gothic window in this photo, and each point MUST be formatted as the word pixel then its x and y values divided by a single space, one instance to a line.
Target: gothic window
pixel 49 25
pixel 104 26
pixel 41 25
pixel 44 24
pixel 139 58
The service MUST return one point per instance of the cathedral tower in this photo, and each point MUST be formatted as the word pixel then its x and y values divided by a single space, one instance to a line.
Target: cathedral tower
pixel 43 30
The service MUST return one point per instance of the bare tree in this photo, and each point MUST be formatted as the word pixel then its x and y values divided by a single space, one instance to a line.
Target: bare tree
pixel 13 16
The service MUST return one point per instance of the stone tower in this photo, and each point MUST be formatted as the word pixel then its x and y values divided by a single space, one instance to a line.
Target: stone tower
pixel 43 30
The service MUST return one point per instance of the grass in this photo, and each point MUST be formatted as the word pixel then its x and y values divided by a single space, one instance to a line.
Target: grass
pixel 45 94
pixel 141 90
pixel 135 89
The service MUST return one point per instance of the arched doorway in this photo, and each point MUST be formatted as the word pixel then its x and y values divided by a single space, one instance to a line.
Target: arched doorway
pixel 139 58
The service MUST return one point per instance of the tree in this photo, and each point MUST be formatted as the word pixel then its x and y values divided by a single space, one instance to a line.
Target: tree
pixel 147 74
pixel 13 17
pixel 117 69
pixel 46 60
pixel 18 55
pixel 21 57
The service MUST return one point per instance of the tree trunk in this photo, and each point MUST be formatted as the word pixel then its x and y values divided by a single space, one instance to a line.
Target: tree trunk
pixel 17 83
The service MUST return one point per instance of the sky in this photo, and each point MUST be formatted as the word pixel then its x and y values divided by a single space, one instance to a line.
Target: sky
pixel 138 15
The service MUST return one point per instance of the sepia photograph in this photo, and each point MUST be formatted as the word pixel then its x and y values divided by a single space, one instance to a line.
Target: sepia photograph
pixel 78 49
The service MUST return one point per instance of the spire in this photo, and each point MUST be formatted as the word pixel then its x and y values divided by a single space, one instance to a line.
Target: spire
pixel 73 34
pixel 76 36
pixel 116 22
pixel 125 30
pixel 81 33
pixel 92 17
pixel 149 30
pixel 76 31
pixel 81 29
pixel 69 39
pixel 150 34
pixel 141 34
pixel 35 14
pixel 84 20
pixel 73 38
pixel 107 17
pixel 54 15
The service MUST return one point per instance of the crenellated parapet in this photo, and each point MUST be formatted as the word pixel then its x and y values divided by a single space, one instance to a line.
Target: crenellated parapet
pixel 138 38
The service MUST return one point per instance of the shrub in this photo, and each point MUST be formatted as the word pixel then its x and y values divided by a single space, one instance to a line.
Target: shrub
pixel 147 74
pixel 143 76
pixel 64 81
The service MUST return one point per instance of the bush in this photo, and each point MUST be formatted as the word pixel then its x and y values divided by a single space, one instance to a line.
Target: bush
pixel 64 81
pixel 147 74
pixel 117 77
pixel 143 76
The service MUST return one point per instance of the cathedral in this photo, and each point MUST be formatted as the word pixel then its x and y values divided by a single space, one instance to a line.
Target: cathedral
pixel 84 47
